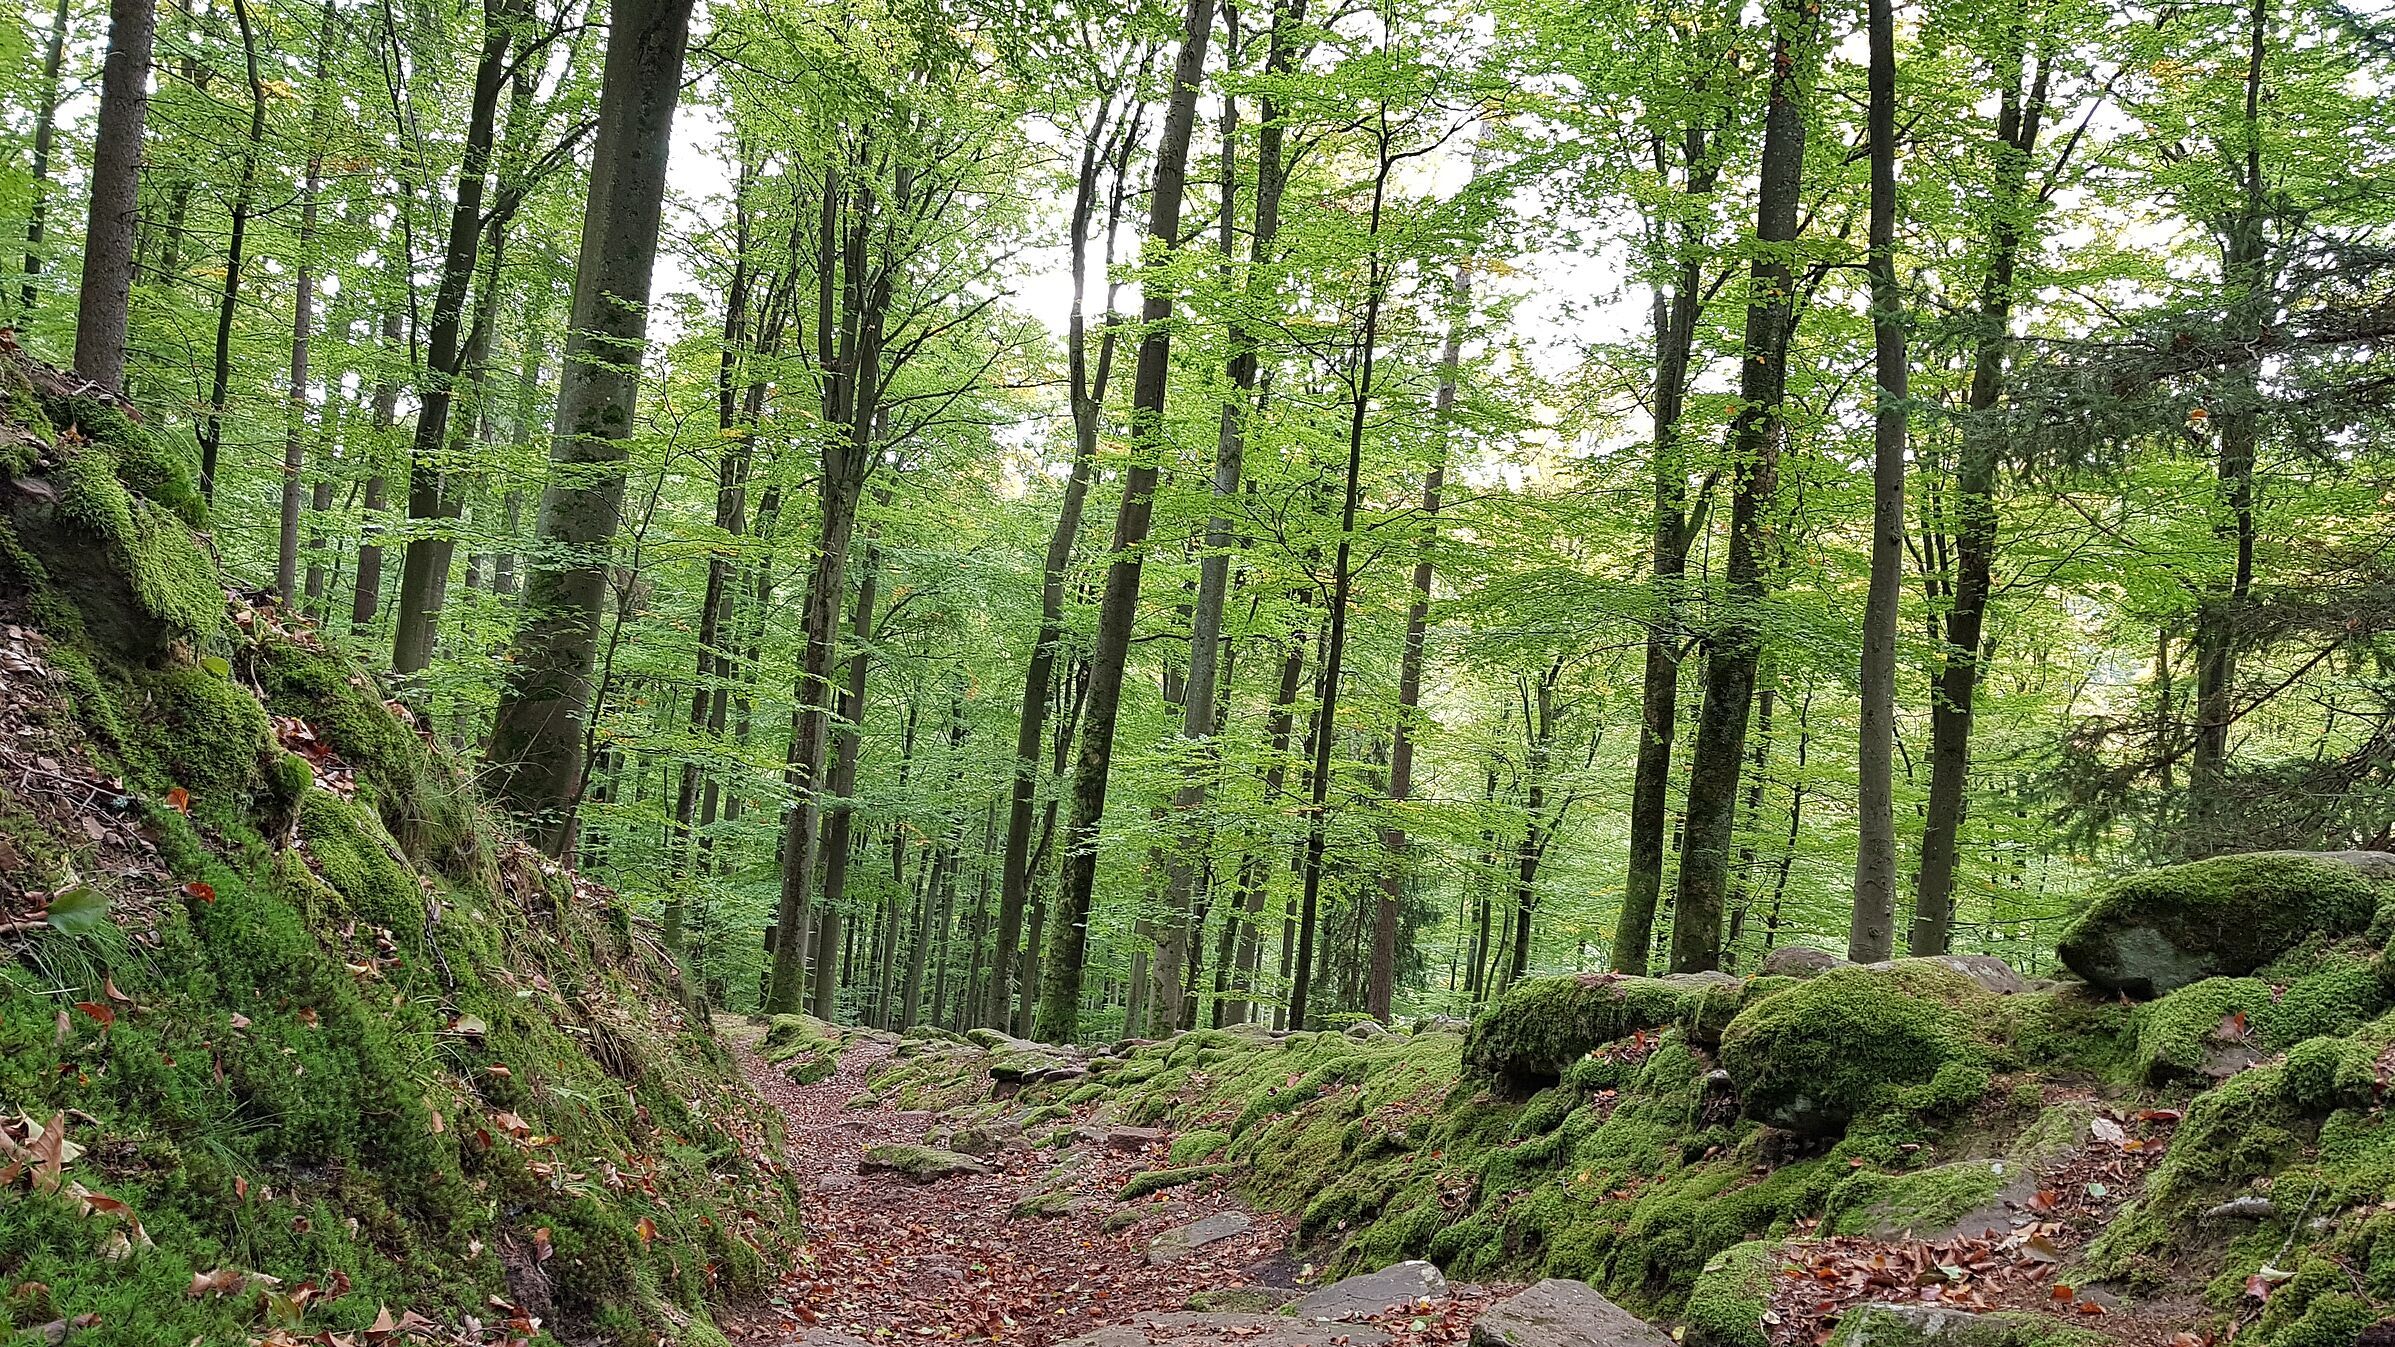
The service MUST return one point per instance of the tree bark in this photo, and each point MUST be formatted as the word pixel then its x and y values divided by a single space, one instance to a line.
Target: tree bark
pixel 843 781
pixel 1735 644
pixel 1380 989
pixel 431 507
pixel 1060 989
pixel 536 754
pixel 104 305
pixel 211 428
pixel 303 321
pixel 45 129
pixel 1871 934
pixel 2018 119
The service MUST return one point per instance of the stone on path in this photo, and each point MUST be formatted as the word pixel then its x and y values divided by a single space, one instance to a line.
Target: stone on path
pixel 827 1337
pixel 923 1164
pixel 1180 1242
pixel 1242 1299
pixel 1902 1325
pixel 1136 1138
pixel 1181 1328
pixel 1557 1313
pixel 1370 1293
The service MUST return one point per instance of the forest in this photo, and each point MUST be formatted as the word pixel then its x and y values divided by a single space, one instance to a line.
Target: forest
pixel 1091 519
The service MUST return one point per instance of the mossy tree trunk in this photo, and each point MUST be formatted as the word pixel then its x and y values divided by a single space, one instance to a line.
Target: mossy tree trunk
pixel 104 307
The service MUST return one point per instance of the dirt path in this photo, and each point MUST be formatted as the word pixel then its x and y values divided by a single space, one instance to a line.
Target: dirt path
pixel 889 1259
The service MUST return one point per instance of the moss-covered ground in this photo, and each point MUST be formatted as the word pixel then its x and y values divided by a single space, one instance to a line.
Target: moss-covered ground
pixel 336 1032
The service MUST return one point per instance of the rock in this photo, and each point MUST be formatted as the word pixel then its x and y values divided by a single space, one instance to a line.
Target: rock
pixel 1180 1242
pixel 1142 1213
pixel 1137 1138
pixel 995 1040
pixel 1182 1328
pixel 838 1183
pixel 1930 1326
pixel 1042 1205
pixel 1025 1066
pixel 1242 1299
pixel 2225 917
pixel 923 1164
pixel 1732 1296
pixel 827 1337
pixel 975 1139
pixel 1441 1024
pixel 2247 1208
pixel 1157 1180
pixel 1558 1313
pixel 1540 1027
pixel 1985 969
pixel 1370 1293
pixel 864 1099
pixel 1364 1031
pixel 1798 961
pixel 1812 1057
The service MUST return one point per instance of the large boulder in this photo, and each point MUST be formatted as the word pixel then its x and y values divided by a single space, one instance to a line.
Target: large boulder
pixel 1371 1293
pixel 1799 961
pixel 1539 1028
pixel 1857 1040
pixel 1557 1313
pixel 2153 933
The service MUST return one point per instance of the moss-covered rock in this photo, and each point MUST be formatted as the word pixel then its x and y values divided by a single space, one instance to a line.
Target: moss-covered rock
pixel 1731 1296
pixel 923 1164
pixel 2225 917
pixel 1858 1040
pixel 1538 1029
pixel 2215 1028
pixel 1923 1201
pixel 1157 1180
pixel 1191 1147
pixel 1930 1326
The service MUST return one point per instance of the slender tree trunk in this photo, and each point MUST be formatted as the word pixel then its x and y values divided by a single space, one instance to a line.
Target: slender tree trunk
pixel 303 321
pixel 2018 119
pixel 104 306
pixel 1735 643
pixel 1087 386
pixel 536 754
pixel 211 429
pixel 1871 935
pixel 1393 839
pixel 366 599
pixel 431 508
pixel 1675 322
pixel 843 781
pixel 45 129
pixel 1060 991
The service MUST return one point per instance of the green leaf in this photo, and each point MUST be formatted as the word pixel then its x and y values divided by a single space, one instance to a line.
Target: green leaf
pixel 78 911
pixel 218 665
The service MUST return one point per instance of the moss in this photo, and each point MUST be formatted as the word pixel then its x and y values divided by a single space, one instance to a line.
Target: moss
pixel 212 733
pixel 2226 917
pixel 1731 1296
pixel 350 851
pixel 141 460
pixel 169 575
pixel 1847 1042
pixel 1869 1202
pixel 1191 1147
pixel 920 1163
pixel 1540 1028
pixel 1157 1180
pixel 2074 1033
pixel 1923 1326
pixel 2221 1025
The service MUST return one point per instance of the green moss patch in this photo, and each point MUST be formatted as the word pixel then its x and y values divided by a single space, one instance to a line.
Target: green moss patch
pixel 1858 1040
pixel 1538 1029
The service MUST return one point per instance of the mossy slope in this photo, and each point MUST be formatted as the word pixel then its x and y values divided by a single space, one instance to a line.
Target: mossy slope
pixel 339 1032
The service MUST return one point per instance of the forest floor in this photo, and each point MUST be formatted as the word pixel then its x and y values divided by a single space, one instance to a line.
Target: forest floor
pixel 888 1258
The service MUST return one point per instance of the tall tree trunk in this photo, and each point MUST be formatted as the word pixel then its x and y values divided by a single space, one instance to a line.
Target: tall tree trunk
pixel 2019 115
pixel 104 305
pixel 45 129
pixel 536 754
pixel 1735 643
pixel 843 781
pixel 1086 384
pixel 1380 989
pixel 1334 649
pixel 1060 989
pixel 365 600
pixel 1675 321
pixel 2244 250
pixel 303 321
pixel 1199 692
pixel 211 429
pixel 431 505
pixel 1871 934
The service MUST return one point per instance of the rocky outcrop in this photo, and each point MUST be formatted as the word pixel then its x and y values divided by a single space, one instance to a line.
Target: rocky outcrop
pixel 1371 1293
pixel 1558 1313
pixel 2165 929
